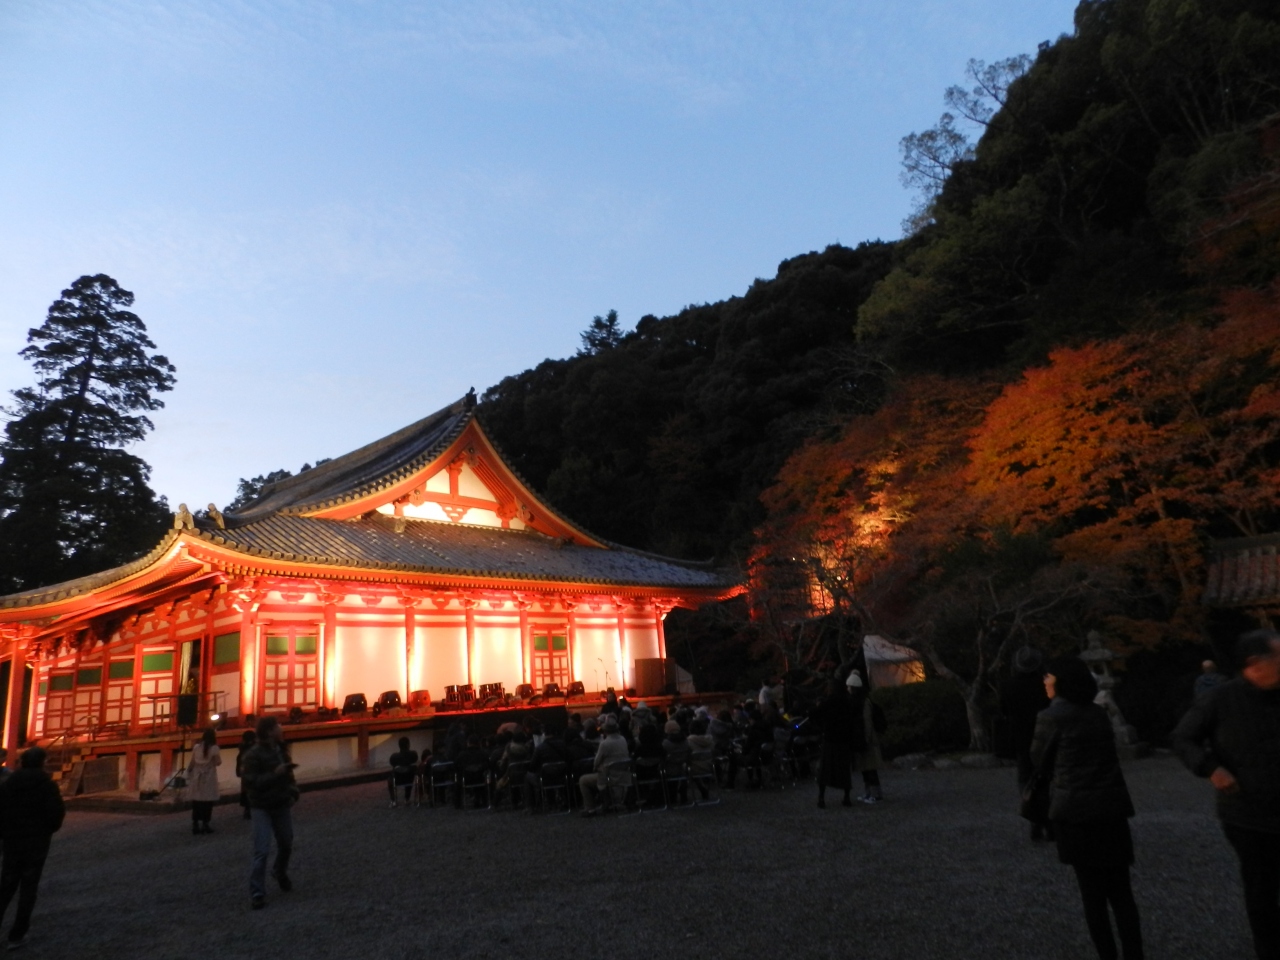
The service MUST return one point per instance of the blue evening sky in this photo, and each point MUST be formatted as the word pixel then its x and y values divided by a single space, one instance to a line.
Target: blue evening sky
pixel 337 217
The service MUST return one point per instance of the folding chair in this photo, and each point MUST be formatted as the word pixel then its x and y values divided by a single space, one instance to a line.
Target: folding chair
pixel 551 781
pixel 675 771
pixel 648 780
pixel 618 783
pixel 702 776
pixel 579 769
pixel 514 778
pixel 475 778
pixel 442 782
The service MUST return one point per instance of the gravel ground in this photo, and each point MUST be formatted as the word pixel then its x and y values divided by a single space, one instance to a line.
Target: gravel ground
pixel 942 869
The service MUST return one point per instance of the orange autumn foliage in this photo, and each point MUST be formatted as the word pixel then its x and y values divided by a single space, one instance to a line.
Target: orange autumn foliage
pixel 1128 454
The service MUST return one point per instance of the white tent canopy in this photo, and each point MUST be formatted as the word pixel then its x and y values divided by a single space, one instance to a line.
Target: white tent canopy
pixel 890 664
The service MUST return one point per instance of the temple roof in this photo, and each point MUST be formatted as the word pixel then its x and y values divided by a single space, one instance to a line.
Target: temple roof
pixel 372 542
pixel 333 516
pixel 1244 572
pixel 364 471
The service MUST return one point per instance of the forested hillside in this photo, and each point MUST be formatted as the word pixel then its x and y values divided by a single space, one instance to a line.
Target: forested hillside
pixel 663 437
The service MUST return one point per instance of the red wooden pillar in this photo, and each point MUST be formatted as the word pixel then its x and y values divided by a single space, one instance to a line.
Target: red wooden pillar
pixel 135 716
pixel 106 681
pixel 526 643
pixel 410 629
pixel 328 663
pixel 13 716
pixel 131 769
pixel 624 649
pixel 658 613
pixel 248 660
pixel 571 638
pixel 469 605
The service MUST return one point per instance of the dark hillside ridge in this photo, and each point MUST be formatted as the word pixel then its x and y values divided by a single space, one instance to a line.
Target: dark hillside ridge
pixel 1088 188
pixel 664 440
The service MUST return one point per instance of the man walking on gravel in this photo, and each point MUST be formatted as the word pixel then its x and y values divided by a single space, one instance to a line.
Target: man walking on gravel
pixel 268 778
pixel 1232 736
pixel 31 812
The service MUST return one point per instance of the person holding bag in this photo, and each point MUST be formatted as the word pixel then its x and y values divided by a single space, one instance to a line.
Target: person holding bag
pixel 1074 750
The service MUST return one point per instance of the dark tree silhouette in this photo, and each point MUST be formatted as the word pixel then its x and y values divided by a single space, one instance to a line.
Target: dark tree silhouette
pixel 72 500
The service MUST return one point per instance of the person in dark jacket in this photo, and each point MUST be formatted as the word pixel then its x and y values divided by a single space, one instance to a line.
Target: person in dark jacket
pixel 247 740
pixel 31 812
pixel 842 737
pixel 1089 805
pixel 404 765
pixel 268 777
pixel 1232 737
pixel 1021 700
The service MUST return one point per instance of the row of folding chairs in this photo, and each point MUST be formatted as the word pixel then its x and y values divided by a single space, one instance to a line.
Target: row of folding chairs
pixel 645 783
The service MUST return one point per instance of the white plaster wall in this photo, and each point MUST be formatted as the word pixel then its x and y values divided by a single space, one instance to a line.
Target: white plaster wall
pixel 443 657
pixel 149 771
pixel 324 758
pixel 595 652
pixel 228 683
pixel 644 645
pixel 370 660
pixel 497 655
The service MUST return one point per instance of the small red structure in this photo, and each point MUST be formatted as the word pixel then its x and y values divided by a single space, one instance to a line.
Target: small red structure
pixel 421 562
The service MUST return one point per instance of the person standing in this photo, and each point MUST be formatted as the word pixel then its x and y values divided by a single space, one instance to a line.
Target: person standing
pixel 1208 681
pixel 1021 700
pixel 246 744
pixel 868 760
pixel 1089 805
pixel 842 737
pixel 1232 737
pixel 202 781
pixel 268 776
pixel 31 812
pixel 403 766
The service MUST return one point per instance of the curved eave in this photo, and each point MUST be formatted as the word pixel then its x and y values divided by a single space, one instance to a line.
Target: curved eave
pixel 166 565
pixel 263 563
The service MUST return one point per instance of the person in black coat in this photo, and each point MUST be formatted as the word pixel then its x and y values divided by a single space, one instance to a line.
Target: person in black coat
pixel 1089 804
pixel 31 812
pixel 842 737
pixel 1021 700
pixel 1232 737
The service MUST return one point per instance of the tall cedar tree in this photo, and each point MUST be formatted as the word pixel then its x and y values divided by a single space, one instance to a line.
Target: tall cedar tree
pixel 72 500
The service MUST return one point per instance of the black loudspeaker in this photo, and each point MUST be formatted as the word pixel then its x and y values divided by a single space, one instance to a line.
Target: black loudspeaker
pixel 188 709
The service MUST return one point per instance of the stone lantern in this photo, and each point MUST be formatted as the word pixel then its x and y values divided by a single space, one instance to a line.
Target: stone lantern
pixel 1098 658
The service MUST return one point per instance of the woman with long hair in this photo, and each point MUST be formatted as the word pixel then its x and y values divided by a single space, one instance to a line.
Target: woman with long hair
pixel 202 781
pixel 1089 806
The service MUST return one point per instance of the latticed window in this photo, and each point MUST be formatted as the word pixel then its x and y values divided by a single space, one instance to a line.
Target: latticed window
pixel 291 669
pixel 550 659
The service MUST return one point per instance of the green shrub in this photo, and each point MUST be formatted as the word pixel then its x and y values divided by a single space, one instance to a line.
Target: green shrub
pixel 923 716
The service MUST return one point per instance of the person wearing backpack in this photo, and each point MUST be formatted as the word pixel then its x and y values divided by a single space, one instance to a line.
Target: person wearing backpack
pixel 868 760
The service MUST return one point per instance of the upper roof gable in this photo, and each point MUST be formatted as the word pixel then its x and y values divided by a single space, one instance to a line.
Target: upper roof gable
pixel 419 464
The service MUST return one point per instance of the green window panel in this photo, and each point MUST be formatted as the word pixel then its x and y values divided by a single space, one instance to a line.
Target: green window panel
pixel 277 646
pixel 559 643
pixel 304 645
pixel 91 677
pixel 540 643
pixel 226 649
pixel 157 663
pixel 44 688
pixel 63 681
pixel 120 670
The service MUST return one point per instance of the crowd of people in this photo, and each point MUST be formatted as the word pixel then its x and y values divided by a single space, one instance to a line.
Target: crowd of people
pixel 748 743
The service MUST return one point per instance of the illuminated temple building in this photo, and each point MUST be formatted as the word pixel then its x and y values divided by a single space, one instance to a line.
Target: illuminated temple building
pixel 421 563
